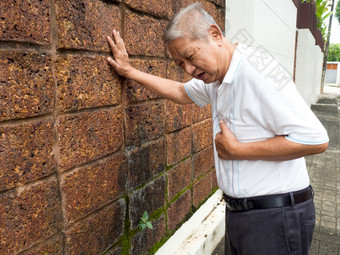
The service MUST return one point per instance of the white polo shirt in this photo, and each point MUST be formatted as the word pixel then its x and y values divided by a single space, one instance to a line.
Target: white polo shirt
pixel 258 100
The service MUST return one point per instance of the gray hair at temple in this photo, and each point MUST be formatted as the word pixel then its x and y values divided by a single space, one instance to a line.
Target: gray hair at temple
pixel 191 22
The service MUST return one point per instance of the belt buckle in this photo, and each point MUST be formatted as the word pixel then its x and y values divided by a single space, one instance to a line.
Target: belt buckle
pixel 237 205
pixel 242 205
pixel 229 205
pixel 245 204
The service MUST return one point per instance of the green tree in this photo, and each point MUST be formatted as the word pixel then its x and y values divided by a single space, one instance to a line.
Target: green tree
pixel 322 13
pixel 337 11
pixel 334 52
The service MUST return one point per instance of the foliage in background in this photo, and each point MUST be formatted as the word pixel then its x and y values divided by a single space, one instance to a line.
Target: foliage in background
pixel 322 13
pixel 337 11
pixel 334 52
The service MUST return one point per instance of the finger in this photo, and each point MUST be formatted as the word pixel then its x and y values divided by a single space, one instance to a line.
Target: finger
pixel 112 62
pixel 112 44
pixel 116 36
pixel 223 126
pixel 217 136
pixel 119 41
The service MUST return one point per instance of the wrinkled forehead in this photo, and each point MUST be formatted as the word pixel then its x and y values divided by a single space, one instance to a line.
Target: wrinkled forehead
pixel 181 47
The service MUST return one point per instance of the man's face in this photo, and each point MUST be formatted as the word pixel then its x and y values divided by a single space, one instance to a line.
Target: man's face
pixel 200 59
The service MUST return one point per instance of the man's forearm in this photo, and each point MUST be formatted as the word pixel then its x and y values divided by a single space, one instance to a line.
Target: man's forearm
pixel 277 149
pixel 169 89
pixel 166 88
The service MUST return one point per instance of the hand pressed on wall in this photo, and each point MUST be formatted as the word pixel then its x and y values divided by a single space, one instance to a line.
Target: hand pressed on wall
pixel 226 143
pixel 165 88
pixel 120 61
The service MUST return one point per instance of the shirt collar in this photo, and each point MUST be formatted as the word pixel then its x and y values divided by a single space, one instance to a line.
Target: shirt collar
pixel 234 64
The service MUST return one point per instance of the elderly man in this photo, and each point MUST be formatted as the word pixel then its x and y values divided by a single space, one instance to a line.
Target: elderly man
pixel 261 133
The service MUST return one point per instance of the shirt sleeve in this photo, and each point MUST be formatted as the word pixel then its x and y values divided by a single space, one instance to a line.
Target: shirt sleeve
pixel 197 90
pixel 286 113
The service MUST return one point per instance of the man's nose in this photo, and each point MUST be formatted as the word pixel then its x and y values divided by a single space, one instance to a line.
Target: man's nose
pixel 189 68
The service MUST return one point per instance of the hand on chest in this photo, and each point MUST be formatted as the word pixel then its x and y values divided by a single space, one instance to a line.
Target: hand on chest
pixel 241 113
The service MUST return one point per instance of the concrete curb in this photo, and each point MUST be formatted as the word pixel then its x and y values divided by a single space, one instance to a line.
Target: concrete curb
pixel 326 102
pixel 201 233
pixel 325 107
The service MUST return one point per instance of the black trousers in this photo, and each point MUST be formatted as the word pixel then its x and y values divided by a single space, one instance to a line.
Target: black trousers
pixel 285 230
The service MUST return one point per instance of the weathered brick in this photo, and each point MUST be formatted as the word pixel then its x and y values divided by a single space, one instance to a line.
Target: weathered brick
pixel 84 82
pixel 214 183
pixel 177 116
pixel 134 91
pixel 52 246
pixel 115 251
pixel 95 234
pixel 27 21
pixel 29 215
pixel 26 84
pixel 220 19
pixel 88 136
pixel 144 240
pixel 178 210
pixel 202 189
pixel 179 177
pixel 186 77
pixel 144 122
pixel 176 5
pixel 209 7
pixel 174 72
pixel 94 223
pixel 89 188
pixel 217 13
pixel 157 8
pixel 203 161
pixel 146 162
pixel 84 24
pixel 149 198
pixel 25 153
pixel 178 145
pixel 219 2
pixel 149 28
pixel 202 135
pixel 201 113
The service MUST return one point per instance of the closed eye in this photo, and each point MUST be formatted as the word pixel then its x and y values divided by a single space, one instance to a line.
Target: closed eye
pixel 191 56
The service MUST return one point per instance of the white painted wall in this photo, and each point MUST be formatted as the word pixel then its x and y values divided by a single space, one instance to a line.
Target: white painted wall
pixel 308 66
pixel 272 25
pixel 267 23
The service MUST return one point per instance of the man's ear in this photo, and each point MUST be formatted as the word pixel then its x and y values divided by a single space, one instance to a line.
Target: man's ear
pixel 216 34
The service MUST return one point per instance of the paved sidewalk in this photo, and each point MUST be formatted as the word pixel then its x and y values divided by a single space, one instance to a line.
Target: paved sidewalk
pixel 324 171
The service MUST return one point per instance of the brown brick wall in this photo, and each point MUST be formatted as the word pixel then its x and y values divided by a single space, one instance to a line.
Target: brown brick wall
pixel 83 151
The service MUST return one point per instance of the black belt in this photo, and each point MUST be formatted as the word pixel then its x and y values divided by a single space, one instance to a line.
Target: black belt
pixel 266 202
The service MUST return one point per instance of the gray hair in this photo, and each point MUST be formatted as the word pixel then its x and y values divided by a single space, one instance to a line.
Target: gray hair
pixel 191 22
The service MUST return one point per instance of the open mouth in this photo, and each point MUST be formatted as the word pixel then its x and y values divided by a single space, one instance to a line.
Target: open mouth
pixel 201 76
